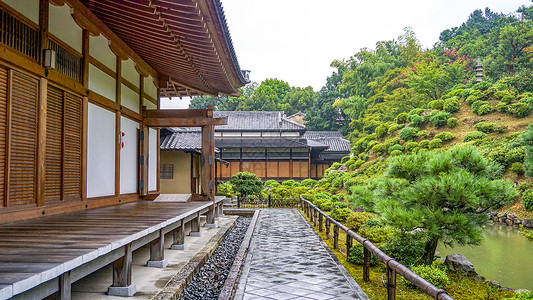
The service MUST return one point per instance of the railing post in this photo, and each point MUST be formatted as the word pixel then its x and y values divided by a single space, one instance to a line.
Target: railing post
pixel 311 214
pixel 320 222
pixel 335 236
pixel 366 264
pixel 327 228
pixel 268 200
pixel 391 283
pixel 349 240
pixel 238 201
pixel 315 217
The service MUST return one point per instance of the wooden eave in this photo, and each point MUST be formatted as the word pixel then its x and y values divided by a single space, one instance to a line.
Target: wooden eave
pixel 181 118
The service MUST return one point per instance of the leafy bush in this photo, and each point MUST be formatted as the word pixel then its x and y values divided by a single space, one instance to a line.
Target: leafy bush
pixel 246 184
pixel 445 136
pixel 337 203
pixel 395 127
pixel 225 189
pixel 474 135
pixel 341 214
pixel 451 105
pixel 522 296
pixel 401 118
pixel 433 274
pixel 290 182
pixel 271 183
pixel 519 110
pixel 396 153
pixel 390 142
pixel 408 133
pixel 356 220
pixel 404 248
pixel 358 163
pixel 435 143
pixel 324 204
pixel 424 144
pixel 409 146
pixel 416 111
pixel 515 155
pixel 436 104
pixel 527 199
pixel 452 122
pixel 481 107
pixel 396 147
pixel 381 130
pixel 356 255
pixel 285 191
pixel 439 119
pixel 334 166
pixel 517 168
pixel 378 234
pixel 378 148
pixel 416 120
pixel 488 127
pixel 308 182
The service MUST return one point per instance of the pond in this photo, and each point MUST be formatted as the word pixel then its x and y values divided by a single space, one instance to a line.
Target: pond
pixel 504 256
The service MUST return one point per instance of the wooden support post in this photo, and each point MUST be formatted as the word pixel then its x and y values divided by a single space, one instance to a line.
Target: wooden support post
pixel 210 218
pixel 335 236
pixel 85 109
pixel 157 252
pixel 85 58
pixel 65 286
pixel 44 8
pixel 366 264
pixel 117 152
pixel 122 285
pixel 349 243
pixel 143 161
pixel 195 226
pixel 315 217
pixel 320 222
pixel 327 228
pixel 41 144
pixel 391 283
pixel 178 235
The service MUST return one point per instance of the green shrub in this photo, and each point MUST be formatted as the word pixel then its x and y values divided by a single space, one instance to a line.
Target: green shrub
pixel 519 110
pixel 436 104
pixel 522 186
pixel 407 249
pixel 324 204
pixel 358 163
pixel 424 144
pixel 356 220
pixel 488 127
pixel 334 166
pixel 474 135
pixel 416 111
pixel 433 274
pixel 439 119
pixel 517 168
pixel 452 122
pixel 225 189
pixel 378 149
pixel 356 256
pixel 528 101
pixel 472 98
pixel 409 146
pixel 501 107
pixel 481 107
pixel 527 199
pixel 396 153
pixel 521 296
pixel 416 120
pixel 451 105
pixel 445 136
pixel 246 184
pixel 308 182
pixel 271 183
pixel 377 234
pixel 370 145
pixel 435 143
pixel 390 142
pixel 408 133
pixel 483 85
pixel 395 127
pixel 337 203
pixel 396 147
pixel 515 155
pixel 401 118
pixel 381 130
pixel 341 214
pixel 344 159
pixel 290 182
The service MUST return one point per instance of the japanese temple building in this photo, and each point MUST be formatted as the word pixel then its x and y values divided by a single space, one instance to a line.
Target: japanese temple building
pixel 80 89
pixel 266 143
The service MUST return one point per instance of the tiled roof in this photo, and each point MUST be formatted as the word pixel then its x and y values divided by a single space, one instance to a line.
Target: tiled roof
pixel 335 144
pixel 257 121
pixel 322 134
pixel 260 143
pixel 182 141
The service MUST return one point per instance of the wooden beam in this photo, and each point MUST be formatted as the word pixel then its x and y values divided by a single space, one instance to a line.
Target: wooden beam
pixel 86 58
pixel 8 137
pixel 117 152
pixel 43 26
pixel 41 141
pixel 184 122
pixel 176 113
pixel 65 286
pixel 143 161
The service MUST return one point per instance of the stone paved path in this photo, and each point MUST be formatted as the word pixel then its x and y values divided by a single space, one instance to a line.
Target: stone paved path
pixel 288 260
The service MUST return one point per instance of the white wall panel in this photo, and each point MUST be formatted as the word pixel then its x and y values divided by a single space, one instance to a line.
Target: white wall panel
pixel 149 87
pixel 149 104
pixel 99 49
pixel 129 73
pixel 101 140
pixel 28 8
pixel 101 83
pixel 152 159
pixel 129 98
pixel 62 25
pixel 129 156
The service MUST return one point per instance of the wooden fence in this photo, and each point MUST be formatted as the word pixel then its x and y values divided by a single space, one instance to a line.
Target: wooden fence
pixel 268 202
pixel 324 222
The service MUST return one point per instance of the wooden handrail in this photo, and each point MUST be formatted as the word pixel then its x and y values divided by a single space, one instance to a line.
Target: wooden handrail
pixel 393 267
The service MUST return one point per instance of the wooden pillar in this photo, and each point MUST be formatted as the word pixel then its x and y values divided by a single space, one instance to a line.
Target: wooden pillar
pixel 143 161
pixel 320 222
pixel 391 283
pixel 85 58
pixel 335 236
pixel 366 264
pixel 195 226
pixel 41 141
pixel 85 109
pixel 193 183
pixel 309 164
pixel 65 286
pixel 117 152
pixel 122 285
pixel 290 165
pixel 349 243
pixel 157 252
pixel 178 235
pixel 43 26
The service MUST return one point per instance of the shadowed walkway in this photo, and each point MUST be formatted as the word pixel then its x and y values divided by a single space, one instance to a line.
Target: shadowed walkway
pixel 288 260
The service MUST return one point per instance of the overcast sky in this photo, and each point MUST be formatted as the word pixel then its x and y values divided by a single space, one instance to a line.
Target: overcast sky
pixel 296 40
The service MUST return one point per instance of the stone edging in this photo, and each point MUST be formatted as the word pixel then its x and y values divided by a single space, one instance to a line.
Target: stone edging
pixel 510 220
pixel 229 285
pixel 185 275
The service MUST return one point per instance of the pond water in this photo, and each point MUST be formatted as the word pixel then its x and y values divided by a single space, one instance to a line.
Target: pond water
pixel 504 256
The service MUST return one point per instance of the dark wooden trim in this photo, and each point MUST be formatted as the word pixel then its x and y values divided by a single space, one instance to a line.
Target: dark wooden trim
pixel 93 61
pixel 65 286
pixel 129 85
pixel 158 183
pixel 43 25
pixel 143 168
pixel 141 92
pixel 122 268
pixel 41 141
pixel 193 181
pixel 84 149
pixel 86 58
pixel 63 143
pixel 117 152
pixel 184 122
pixel 8 137
pixel 118 81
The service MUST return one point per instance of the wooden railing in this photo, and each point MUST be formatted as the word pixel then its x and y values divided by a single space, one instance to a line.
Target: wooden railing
pixel 68 61
pixel 324 222
pixel 268 202
pixel 19 35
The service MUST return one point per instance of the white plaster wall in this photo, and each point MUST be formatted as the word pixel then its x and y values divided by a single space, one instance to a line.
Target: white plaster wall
pixel 99 49
pixel 62 25
pixel 100 152
pixel 28 8
pixel 270 134
pixel 290 134
pixel 129 73
pixel 251 134
pixel 102 83
pixel 152 159
pixel 129 156
pixel 149 87
pixel 232 134
pixel 129 98
pixel 149 104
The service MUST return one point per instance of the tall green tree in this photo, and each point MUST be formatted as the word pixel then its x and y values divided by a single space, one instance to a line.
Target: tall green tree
pixel 444 195
pixel 528 141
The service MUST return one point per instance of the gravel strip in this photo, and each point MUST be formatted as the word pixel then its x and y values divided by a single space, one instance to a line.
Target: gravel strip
pixel 208 283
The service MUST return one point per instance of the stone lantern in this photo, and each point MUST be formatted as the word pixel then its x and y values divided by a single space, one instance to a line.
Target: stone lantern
pixel 479 70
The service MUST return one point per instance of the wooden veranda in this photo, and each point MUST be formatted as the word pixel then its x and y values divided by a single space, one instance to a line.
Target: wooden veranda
pixel 43 256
